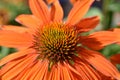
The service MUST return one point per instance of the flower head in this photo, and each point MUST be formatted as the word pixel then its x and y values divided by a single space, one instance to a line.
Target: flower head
pixel 50 49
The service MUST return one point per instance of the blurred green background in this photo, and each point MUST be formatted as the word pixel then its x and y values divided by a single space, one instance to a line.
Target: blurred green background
pixel 108 10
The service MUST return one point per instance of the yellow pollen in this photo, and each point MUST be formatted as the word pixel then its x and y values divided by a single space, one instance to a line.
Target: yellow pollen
pixel 56 42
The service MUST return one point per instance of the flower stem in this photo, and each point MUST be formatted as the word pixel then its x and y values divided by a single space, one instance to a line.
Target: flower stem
pixel 108 15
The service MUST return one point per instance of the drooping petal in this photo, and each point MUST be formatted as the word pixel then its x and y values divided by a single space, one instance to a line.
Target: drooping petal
pixel 51 76
pixel 20 67
pixel 34 70
pixel 29 21
pixel 78 11
pixel 50 1
pixel 99 62
pixel 115 59
pixel 98 40
pixel 40 10
pixel 74 76
pixel 43 68
pixel 27 71
pixel 56 11
pixel 64 72
pixel 9 66
pixel 54 73
pixel 73 72
pixel 14 39
pixel 15 56
pixel 117 32
pixel 87 24
pixel 86 70
pixel 15 28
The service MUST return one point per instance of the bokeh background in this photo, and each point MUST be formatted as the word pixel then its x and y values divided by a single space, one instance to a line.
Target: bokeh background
pixel 107 10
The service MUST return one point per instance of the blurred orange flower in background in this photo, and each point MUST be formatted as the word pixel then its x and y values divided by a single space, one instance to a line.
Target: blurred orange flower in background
pixel 3 17
pixel 51 49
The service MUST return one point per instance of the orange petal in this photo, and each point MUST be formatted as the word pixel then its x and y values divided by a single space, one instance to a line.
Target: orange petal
pixel 50 1
pixel 43 68
pixel 34 71
pixel 87 24
pixel 115 59
pixel 15 28
pixel 27 71
pixel 14 39
pixel 30 74
pixel 29 21
pixel 54 73
pixel 117 32
pixel 73 72
pixel 78 11
pixel 56 11
pixel 9 66
pixel 19 68
pixel 15 56
pixel 40 10
pixel 86 70
pixel 99 62
pixel 98 40
pixel 64 72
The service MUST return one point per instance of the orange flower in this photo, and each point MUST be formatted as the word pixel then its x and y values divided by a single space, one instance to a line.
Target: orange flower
pixel 50 49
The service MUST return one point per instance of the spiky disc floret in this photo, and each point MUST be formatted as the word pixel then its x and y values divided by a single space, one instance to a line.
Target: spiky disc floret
pixel 56 42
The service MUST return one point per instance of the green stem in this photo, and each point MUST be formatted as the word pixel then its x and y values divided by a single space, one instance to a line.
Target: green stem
pixel 108 15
